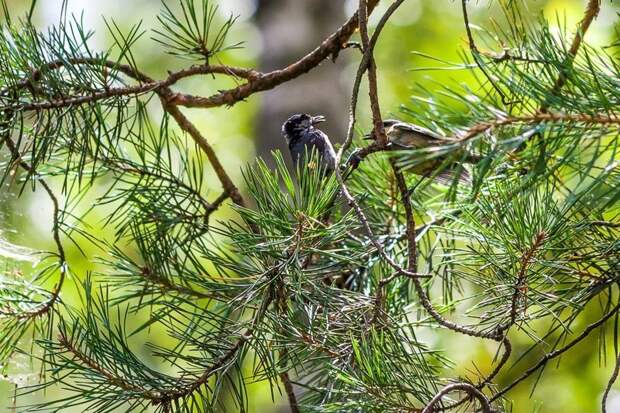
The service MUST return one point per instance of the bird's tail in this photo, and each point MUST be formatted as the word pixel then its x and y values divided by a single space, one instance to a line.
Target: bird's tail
pixel 449 176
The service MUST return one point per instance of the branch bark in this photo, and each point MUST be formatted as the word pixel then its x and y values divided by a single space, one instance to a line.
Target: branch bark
pixel 592 10
pixel 610 383
pixel 466 387
pixel 329 47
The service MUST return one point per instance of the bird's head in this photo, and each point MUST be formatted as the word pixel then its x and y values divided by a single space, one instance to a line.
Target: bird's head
pixel 299 123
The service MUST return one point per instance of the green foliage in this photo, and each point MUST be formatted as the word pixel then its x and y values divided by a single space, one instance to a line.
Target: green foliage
pixel 193 33
pixel 293 288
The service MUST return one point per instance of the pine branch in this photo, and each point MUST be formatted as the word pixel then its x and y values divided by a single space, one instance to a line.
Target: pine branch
pixel 228 185
pixel 372 73
pixel 465 387
pixel 315 291
pixel 362 68
pixel 550 356
pixel 596 119
pixel 610 383
pixel 46 307
pixel 592 10
pixel 521 282
pixel 110 377
pixel 329 47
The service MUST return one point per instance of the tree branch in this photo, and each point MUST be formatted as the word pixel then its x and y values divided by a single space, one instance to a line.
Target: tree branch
pixel 111 378
pixel 600 119
pixel 160 87
pixel 521 282
pixel 281 308
pixel 549 356
pixel 187 126
pixel 610 383
pixel 167 285
pixel 363 66
pixel 592 10
pixel 372 73
pixel 412 250
pixel 169 396
pixel 45 307
pixel 489 378
pixel 466 387
pixel 330 47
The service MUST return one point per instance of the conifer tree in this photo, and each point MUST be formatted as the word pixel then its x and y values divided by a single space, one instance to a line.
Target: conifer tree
pixel 317 284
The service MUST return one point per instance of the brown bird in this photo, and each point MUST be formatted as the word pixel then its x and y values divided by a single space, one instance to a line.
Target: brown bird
pixel 403 136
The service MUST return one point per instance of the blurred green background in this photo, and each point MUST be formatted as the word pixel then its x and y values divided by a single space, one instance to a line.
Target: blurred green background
pixel 276 32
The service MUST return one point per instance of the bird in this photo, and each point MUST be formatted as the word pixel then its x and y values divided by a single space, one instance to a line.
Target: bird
pixel 405 136
pixel 302 136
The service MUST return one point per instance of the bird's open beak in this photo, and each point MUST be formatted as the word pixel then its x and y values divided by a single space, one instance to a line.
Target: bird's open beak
pixel 317 119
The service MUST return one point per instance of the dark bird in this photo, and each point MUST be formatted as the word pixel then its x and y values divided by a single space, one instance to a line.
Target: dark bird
pixel 302 137
pixel 407 136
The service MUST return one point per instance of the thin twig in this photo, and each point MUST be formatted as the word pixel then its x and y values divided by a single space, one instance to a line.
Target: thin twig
pixel 45 307
pixel 505 357
pixel 372 74
pixel 412 253
pixel 592 10
pixel 110 377
pixel 476 54
pixel 290 392
pixel 607 224
pixel 489 378
pixel 83 99
pixel 600 119
pixel 521 281
pixel 505 55
pixel 428 306
pixel 166 285
pixel 466 387
pixel 412 250
pixel 169 396
pixel 364 221
pixel 610 383
pixel 281 308
pixel 189 127
pixel 329 47
pixel 363 66
pixel 119 167
pixel 549 356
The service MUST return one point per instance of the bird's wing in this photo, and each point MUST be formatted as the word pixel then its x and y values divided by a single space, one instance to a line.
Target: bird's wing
pixel 419 130
pixel 321 142
pixel 310 140
pixel 316 139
